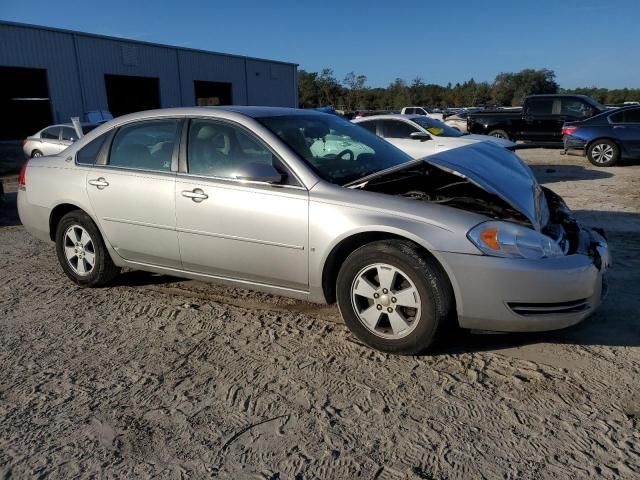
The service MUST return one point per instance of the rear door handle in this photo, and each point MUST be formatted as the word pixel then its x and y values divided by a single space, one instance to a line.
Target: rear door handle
pixel 100 183
pixel 197 194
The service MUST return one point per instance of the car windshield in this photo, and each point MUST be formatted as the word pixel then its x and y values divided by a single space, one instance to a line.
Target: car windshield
pixel 338 150
pixel 436 127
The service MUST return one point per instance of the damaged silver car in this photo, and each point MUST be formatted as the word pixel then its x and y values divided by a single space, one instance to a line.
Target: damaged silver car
pixel 308 205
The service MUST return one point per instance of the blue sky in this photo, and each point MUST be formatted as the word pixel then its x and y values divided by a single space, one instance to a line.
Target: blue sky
pixel 586 42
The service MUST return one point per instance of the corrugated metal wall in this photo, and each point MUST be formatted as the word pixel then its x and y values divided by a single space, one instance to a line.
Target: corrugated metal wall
pixel 76 64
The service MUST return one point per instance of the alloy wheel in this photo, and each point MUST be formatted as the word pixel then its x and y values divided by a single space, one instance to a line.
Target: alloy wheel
pixel 79 250
pixel 602 153
pixel 386 301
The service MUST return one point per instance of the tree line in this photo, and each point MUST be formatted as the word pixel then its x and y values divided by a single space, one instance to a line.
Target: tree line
pixel 508 89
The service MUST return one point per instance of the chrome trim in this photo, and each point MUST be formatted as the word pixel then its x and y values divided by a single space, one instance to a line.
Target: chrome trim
pixel 240 182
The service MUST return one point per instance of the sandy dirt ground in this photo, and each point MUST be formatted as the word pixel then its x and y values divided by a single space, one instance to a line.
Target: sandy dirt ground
pixel 165 378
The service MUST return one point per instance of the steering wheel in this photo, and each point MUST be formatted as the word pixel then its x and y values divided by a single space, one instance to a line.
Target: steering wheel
pixel 346 151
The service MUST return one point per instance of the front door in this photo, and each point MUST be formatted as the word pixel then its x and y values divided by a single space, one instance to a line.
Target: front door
pixel 250 231
pixel 133 195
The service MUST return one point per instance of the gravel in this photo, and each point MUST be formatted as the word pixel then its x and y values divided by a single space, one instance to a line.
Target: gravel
pixel 162 377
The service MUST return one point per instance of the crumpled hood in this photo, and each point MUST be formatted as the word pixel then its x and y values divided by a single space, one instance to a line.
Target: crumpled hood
pixel 500 172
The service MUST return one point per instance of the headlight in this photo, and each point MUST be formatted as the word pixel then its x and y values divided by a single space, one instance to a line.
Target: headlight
pixel 504 239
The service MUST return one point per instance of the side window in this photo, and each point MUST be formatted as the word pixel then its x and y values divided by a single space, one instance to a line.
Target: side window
pixel 575 108
pixel 409 111
pixel 632 116
pixel 52 133
pixel 146 145
pixel 397 129
pixel 88 154
pixel 617 117
pixel 218 149
pixel 69 134
pixel 540 106
pixel 371 125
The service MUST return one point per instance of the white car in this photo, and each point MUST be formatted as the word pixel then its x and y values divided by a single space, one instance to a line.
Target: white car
pixel 427 112
pixel 421 136
pixel 457 122
pixel 52 139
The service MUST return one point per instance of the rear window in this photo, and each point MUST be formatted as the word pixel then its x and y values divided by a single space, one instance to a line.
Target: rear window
pixel 52 133
pixel 371 125
pixel 540 106
pixel 146 145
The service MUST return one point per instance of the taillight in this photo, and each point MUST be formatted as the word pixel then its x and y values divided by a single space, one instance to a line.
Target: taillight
pixel 22 178
pixel 568 130
pixel 24 141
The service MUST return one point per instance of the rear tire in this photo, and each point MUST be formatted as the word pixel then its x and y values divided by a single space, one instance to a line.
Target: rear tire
pixel 36 154
pixel 499 134
pixel 603 153
pixel 393 297
pixel 82 252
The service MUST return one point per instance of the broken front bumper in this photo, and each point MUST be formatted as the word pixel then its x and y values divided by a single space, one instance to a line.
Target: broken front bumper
pixel 521 295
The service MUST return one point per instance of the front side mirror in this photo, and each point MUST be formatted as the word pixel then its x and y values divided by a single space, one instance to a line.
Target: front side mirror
pixel 420 136
pixel 259 172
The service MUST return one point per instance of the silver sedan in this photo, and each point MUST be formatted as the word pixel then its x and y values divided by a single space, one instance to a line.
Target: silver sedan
pixel 52 140
pixel 254 197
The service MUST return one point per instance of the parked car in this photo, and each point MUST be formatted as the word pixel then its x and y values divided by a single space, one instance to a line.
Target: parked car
pixel 539 120
pixel 420 136
pixel 235 195
pixel 52 139
pixel 458 121
pixel 369 113
pixel 606 138
pixel 427 112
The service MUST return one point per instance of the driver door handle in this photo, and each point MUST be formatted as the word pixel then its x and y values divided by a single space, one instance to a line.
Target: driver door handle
pixel 100 183
pixel 197 195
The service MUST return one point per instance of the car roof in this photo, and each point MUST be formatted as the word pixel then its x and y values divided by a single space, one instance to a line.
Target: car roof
pixel 390 116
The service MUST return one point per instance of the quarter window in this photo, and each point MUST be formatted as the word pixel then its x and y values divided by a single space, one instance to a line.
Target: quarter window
pixel 52 133
pixel 397 129
pixel 145 145
pixel 88 154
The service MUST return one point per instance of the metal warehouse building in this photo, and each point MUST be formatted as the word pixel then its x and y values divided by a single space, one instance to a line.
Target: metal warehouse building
pixel 48 75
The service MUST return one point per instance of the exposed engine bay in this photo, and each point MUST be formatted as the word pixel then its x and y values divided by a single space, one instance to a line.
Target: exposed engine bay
pixel 431 184
pixel 428 183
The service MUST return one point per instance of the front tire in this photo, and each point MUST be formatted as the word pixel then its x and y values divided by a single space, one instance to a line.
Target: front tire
pixel 393 297
pixel 603 153
pixel 499 134
pixel 82 252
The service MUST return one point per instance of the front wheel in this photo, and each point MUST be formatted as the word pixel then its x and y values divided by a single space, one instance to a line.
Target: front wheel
pixel 393 297
pixel 82 252
pixel 603 153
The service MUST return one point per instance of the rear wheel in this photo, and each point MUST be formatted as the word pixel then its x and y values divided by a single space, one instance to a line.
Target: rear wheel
pixel 36 154
pixel 392 297
pixel 603 153
pixel 82 252
pixel 499 134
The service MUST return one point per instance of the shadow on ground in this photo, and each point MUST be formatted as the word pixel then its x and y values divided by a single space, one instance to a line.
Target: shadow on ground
pixel 565 173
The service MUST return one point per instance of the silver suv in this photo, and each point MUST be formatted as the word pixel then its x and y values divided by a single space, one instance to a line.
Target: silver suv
pixel 309 205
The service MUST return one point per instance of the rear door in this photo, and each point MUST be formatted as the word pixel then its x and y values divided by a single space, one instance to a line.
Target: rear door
pixel 132 191
pixel 251 231
pixel 627 130
pixel 541 122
